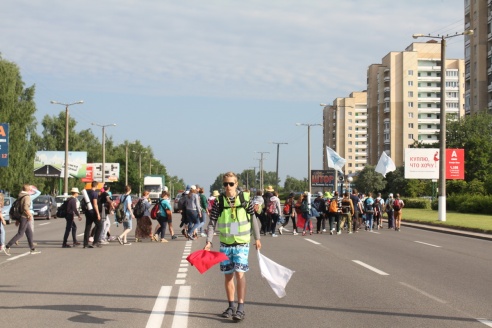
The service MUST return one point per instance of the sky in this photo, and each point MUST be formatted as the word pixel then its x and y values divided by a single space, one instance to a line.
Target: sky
pixel 209 84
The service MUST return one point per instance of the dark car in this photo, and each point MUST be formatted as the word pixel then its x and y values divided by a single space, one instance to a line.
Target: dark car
pixel 176 201
pixel 44 207
pixel 7 204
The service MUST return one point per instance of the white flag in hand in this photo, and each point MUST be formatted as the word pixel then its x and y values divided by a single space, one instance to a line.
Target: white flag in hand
pixel 334 160
pixel 385 165
pixel 277 276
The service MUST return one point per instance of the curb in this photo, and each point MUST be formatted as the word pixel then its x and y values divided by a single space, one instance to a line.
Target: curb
pixel 456 232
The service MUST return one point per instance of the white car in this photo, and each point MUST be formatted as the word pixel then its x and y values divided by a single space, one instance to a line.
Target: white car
pixel 7 204
pixel 60 199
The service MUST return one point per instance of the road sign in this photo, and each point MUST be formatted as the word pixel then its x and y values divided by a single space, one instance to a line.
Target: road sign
pixel 4 144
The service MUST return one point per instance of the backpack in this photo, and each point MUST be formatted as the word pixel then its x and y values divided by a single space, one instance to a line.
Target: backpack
pixel 139 209
pixel 396 205
pixel 333 206
pixel 272 207
pixel 61 212
pixel 120 210
pixel 84 205
pixel 345 206
pixel 389 207
pixel 15 210
pixel 368 208
pixel 287 207
pixel 154 213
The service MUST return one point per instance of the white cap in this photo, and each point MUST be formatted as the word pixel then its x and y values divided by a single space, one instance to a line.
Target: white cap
pixel 193 187
pixel 165 188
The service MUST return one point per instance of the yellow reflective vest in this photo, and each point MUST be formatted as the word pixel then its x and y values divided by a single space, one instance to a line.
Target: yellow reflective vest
pixel 230 216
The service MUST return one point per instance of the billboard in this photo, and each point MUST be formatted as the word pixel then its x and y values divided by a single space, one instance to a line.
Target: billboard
pixel 94 172
pixel 52 164
pixel 323 178
pixel 4 144
pixel 423 163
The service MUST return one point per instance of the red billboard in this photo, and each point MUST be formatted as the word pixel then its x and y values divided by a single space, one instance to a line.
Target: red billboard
pixel 455 164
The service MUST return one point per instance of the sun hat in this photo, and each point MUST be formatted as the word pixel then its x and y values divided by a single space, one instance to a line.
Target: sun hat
pixel 215 193
pixel 269 188
pixel 75 189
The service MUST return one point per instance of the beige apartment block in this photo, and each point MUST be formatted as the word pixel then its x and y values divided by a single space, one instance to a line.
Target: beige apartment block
pixel 345 131
pixel 478 55
pixel 403 99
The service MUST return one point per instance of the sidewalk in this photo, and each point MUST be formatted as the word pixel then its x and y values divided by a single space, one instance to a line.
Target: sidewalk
pixel 451 231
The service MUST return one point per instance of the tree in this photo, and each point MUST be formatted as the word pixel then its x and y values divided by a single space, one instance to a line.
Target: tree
pixel 17 108
pixel 294 185
pixel 368 180
pixel 395 181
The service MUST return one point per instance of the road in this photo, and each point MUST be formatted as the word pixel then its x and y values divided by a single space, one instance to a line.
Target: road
pixel 411 278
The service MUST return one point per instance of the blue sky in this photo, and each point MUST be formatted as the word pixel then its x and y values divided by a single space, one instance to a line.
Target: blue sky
pixel 209 83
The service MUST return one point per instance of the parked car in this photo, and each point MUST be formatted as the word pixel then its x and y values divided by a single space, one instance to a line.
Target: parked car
pixel 45 207
pixel 176 201
pixel 116 200
pixel 61 198
pixel 7 204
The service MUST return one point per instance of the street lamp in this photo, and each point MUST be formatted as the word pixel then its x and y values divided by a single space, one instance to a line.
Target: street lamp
pixel 261 167
pixel 309 150
pixel 140 170
pixel 65 184
pixel 278 150
pixel 103 148
pixel 442 121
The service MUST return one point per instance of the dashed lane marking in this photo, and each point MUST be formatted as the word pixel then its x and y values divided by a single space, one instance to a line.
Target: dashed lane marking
pixel 367 266
pixel 421 242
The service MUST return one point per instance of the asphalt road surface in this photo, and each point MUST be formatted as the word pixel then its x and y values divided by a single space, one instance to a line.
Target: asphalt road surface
pixel 411 278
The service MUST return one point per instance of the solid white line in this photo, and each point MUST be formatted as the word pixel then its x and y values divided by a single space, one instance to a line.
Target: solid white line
pixel 16 257
pixel 44 223
pixel 312 241
pixel 159 310
pixel 367 266
pixel 180 319
pixel 486 322
pixel 421 242
pixel 423 293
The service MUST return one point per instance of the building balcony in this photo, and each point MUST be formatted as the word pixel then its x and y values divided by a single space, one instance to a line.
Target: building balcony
pixel 387 79
pixel 429 78
pixel 386 99
pixel 428 121
pixel 387 109
pixel 429 99
pixel 490 87
pixel 429 89
pixel 386 89
pixel 489 70
pixel 489 53
pixel 429 110
pixel 428 131
pixel 489 36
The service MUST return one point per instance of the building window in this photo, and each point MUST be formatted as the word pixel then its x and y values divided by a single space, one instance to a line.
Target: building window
pixel 410 136
pixel 410 94
pixel 410 115
pixel 410 83
pixel 410 104
pixel 410 72
pixel 410 125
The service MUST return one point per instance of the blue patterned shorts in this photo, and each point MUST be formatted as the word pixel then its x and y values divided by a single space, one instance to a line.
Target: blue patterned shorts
pixel 238 258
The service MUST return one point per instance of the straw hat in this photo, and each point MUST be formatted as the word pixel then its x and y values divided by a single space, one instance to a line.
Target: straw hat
pixel 215 193
pixel 74 190
pixel 269 188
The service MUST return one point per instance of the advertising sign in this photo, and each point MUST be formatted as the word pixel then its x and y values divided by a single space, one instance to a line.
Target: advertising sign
pixel 455 164
pixel 52 164
pixel 322 178
pixel 4 144
pixel 94 172
pixel 422 163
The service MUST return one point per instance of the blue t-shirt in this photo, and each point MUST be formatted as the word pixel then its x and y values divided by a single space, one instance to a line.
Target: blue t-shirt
pixel 165 205
pixel 128 201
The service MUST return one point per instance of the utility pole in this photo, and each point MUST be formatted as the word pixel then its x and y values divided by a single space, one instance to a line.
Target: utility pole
pixel 278 150
pixel 261 167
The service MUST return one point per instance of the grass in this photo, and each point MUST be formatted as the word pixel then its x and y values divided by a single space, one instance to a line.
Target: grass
pixel 463 221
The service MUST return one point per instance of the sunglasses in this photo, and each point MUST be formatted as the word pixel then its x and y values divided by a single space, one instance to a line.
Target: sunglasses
pixel 230 184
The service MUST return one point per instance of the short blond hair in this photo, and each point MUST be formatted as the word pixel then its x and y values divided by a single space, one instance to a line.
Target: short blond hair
pixel 230 175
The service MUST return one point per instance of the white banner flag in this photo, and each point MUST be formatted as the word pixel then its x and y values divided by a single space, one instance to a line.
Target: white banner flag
pixel 277 275
pixel 385 165
pixel 334 160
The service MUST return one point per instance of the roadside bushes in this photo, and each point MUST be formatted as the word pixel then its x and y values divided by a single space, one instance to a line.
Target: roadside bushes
pixel 465 203
pixel 417 203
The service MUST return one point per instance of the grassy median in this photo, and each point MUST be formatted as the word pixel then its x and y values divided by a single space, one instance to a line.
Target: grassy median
pixel 473 222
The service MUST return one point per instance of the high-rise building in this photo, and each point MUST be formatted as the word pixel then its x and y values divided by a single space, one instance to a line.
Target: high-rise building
pixel 478 54
pixel 345 131
pixel 403 99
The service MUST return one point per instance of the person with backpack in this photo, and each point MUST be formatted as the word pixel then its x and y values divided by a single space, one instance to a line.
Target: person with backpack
pixel 205 211
pixel 347 213
pixel 289 213
pixel 72 211
pixel 319 204
pixel 93 216
pixel 182 209
pixel 23 207
pixel 357 219
pixel 106 206
pixel 142 214
pixel 232 216
pixel 126 200
pixel 378 211
pixel 369 211
pixel 334 211
pixel 398 205
pixel 164 217
pixel 265 218
pixel 193 212
pixel 388 208
pixel 274 210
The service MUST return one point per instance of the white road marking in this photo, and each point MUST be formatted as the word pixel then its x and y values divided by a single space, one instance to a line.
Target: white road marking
pixel 18 256
pixel 423 293
pixel 367 266
pixel 181 275
pixel 44 223
pixel 181 270
pixel 421 242
pixel 180 282
pixel 183 265
pixel 180 319
pixel 486 322
pixel 312 241
pixel 158 312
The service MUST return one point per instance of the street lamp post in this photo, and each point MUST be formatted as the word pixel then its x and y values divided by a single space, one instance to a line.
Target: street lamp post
pixel 278 151
pixel 103 126
pixel 261 167
pixel 65 184
pixel 442 121
pixel 309 150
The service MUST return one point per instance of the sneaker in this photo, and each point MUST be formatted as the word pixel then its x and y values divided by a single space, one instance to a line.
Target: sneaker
pixel 34 251
pixel 331 231
pixel 66 246
pixel 120 240
pixel 295 233
pixel 127 244
pixel 339 232
pixel 280 230
pixel 163 241
pixel 6 250
pixel 324 230
pixel 350 232
pixel 76 243
pixel 104 242
pixel 274 235
pixel 98 245
pixel 203 235
pixel 174 237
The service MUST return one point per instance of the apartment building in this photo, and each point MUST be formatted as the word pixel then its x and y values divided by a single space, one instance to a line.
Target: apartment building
pixel 403 99
pixel 478 55
pixel 345 131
